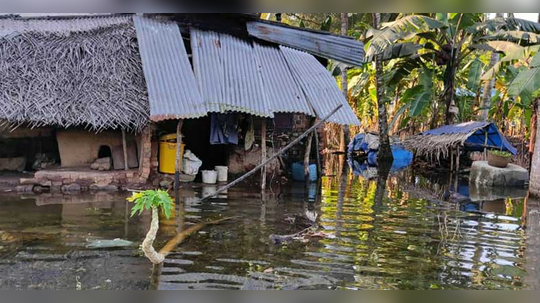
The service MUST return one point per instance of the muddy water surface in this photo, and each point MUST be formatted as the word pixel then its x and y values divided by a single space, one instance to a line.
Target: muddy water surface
pixel 377 234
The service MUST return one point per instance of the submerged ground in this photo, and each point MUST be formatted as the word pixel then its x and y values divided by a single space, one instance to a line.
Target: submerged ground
pixel 379 234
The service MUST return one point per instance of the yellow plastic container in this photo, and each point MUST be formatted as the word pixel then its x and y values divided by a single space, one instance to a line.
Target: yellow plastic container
pixel 167 154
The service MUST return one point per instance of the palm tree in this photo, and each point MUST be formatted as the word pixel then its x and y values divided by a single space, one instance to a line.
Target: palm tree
pixel 385 153
pixel 344 86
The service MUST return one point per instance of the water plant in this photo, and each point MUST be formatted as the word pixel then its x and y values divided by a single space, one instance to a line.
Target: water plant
pixel 153 200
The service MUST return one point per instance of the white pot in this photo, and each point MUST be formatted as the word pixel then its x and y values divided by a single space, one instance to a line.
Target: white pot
pixel 223 173
pixel 209 176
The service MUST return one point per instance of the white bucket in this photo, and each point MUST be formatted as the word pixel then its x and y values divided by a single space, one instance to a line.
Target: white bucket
pixel 209 176
pixel 223 173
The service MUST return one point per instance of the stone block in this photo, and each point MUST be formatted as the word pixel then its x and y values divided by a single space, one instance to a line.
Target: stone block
pixel 71 188
pixel 482 174
pixel 45 183
pixel 27 181
pixel 13 164
pixel 102 164
pixel 37 189
pixel 24 188
pixel 67 181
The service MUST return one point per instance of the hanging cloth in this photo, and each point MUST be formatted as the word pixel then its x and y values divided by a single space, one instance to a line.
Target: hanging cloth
pixel 250 135
pixel 223 129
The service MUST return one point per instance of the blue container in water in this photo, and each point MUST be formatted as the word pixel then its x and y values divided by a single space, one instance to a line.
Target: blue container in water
pixel 298 172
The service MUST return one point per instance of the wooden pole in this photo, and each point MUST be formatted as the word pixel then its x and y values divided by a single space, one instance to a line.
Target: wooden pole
pixel 274 156
pixel 124 147
pixel 317 152
pixel 307 153
pixel 457 160
pixel 263 154
pixel 178 165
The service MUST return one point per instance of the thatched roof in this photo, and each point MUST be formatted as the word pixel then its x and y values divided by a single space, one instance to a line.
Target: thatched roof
pixel 439 143
pixel 72 72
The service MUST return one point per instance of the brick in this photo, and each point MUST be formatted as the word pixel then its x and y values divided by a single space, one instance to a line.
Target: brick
pixel 45 183
pixel 57 183
pixel 25 181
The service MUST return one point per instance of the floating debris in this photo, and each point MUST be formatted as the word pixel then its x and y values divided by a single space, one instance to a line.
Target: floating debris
pixel 116 243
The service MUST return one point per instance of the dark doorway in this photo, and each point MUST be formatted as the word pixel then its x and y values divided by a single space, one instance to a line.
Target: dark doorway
pixel 104 152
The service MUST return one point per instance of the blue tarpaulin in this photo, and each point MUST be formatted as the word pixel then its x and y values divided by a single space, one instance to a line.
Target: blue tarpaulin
pixel 477 139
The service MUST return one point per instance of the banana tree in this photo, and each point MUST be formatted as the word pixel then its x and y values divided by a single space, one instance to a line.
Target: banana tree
pixel 453 47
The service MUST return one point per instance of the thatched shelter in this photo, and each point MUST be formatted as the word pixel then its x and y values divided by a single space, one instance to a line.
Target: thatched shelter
pixel 83 72
pixel 443 142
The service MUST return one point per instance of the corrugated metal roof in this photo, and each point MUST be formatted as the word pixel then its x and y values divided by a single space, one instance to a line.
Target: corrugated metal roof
pixel 229 62
pixel 209 71
pixel 339 48
pixel 284 93
pixel 319 86
pixel 172 88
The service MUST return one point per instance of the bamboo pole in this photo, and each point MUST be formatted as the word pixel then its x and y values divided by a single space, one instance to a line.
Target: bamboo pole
pixel 274 156
pixel 124 147
pixel 178 165
pixel 318 152
pixel 263 154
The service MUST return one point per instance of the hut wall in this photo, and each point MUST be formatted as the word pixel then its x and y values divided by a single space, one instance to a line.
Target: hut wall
pixel 281 131
pixel 80 148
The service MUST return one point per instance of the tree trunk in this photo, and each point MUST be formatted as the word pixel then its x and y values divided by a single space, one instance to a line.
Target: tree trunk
pixel 450 89
pixel 535 165
pixel 485 104
pixel 148 243
pixel 385 153
pixel 344 84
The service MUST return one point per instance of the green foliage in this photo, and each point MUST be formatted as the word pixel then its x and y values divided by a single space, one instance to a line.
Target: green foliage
pixel 151 199
pixel 501 153
pixel 402 29
pixel 527 82
pixel 475 73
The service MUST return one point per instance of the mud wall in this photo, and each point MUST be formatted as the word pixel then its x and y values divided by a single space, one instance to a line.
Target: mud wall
pixel 80 148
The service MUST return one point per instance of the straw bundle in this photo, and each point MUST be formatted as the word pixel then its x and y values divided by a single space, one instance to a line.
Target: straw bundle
pixel 91 78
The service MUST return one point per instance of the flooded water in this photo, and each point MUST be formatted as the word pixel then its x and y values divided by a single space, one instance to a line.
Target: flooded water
pixel 380 234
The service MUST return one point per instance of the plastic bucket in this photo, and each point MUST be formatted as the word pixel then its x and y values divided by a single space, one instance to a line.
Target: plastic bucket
pixel 223 173
pixel 209 176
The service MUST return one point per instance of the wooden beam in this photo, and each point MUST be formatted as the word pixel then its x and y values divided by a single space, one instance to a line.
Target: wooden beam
pixel 178 165
pixel 124 147
pixel 274 156
pixel 263 153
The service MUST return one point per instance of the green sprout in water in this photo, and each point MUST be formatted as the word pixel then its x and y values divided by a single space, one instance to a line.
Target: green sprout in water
pixel 151 199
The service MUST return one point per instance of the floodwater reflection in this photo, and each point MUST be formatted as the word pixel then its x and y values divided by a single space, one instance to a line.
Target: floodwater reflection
pixel 388 233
